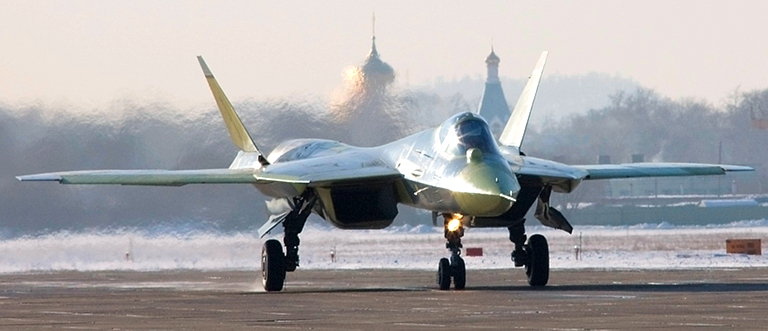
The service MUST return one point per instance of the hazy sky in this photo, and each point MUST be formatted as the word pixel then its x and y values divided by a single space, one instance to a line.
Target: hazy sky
pixel 88 53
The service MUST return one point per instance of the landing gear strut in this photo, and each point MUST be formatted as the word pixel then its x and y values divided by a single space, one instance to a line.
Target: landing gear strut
pixel 533 255
pixel 274 264
pixel 453 268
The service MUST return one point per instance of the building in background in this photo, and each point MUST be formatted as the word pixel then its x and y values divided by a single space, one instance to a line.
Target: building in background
pixel 493 104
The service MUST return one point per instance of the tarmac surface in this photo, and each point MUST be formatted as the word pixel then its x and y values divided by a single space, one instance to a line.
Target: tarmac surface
pixel 386 300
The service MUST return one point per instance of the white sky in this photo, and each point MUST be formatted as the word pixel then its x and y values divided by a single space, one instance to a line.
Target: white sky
pixel 87 53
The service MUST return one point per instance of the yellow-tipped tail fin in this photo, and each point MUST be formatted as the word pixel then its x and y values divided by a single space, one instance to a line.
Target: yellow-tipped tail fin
pixel 237 130
pixel 514 131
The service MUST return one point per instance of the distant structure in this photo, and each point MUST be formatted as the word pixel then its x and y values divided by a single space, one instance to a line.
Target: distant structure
pixel 376 74
pixel 493 104
pixel 370 111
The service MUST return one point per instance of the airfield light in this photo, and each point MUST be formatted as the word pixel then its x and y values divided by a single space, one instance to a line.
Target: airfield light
pixel 455 222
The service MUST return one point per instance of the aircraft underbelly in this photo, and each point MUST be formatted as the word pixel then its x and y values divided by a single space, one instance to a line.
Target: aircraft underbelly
pixel 371 206
pixel 448 201
pixel 280 190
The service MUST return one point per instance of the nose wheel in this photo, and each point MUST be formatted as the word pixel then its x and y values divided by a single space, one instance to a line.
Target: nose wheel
pixel 444 274
pixel 459 272
pixel 447 270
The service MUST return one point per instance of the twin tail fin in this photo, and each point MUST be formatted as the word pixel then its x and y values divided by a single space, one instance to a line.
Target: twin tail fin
pixel 237 130
pixel 514 131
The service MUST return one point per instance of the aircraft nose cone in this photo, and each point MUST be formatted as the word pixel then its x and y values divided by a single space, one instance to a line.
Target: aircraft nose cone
pixel 491 191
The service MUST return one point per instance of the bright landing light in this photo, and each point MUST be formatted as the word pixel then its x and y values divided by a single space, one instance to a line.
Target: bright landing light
pixel 455 223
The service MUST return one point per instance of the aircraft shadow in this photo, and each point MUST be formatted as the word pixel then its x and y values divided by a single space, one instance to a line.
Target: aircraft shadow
pixel 309 290
pixel 672 288
pixel 627 288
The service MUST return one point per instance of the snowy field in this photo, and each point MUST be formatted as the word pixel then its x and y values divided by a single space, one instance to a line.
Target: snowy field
pixel 650 246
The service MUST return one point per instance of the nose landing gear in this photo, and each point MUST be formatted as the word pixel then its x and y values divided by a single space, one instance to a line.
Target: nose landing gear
pixel 455 267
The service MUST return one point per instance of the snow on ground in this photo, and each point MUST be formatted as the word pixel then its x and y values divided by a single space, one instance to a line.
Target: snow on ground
pixel 648 246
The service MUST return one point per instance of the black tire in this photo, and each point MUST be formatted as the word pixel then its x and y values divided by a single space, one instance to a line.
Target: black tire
pixel 537 268
pixel 459 273
pixel 272 266
pixel 444 274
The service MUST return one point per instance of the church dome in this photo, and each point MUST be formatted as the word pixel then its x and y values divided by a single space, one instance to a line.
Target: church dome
pixel 492 58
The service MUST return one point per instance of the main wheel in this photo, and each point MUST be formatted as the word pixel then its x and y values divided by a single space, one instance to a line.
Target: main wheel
pixel 272 266
pixel 459 273
pixel 537 266
pixel 444 274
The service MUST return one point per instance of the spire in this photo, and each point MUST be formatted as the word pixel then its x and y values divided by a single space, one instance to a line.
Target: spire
pixel 374 53
pixel 375 71
pixel 493 104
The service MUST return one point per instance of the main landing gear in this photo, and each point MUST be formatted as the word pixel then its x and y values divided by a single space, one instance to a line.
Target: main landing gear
pixel 533 255
pixel 453 268
pixel 274 264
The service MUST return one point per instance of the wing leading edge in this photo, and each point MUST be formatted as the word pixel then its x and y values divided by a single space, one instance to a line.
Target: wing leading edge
pixel 160 177
pixel 317 172
pixel 565 178
pixel 631 170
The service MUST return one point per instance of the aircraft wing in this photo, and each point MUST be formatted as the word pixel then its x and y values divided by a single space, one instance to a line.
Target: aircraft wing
pixel 565 178
pixel 323 171
pixel 630 170
pixel 562 177
pixel 158 177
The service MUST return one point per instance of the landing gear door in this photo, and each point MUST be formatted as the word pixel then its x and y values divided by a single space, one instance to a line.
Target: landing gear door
pixel 548 215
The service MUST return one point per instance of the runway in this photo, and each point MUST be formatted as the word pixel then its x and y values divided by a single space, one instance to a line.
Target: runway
pixel 386 299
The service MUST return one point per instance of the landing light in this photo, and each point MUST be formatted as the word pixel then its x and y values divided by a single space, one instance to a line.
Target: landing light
pixel 455 222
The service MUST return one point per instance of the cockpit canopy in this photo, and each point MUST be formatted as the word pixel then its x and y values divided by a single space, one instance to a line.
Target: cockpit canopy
pixel 464 131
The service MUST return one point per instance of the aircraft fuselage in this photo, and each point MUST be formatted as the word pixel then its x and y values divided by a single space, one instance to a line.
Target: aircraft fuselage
pixel 455 168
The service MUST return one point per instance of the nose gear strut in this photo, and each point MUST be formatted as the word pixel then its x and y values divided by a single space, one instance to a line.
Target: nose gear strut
pixel 455 267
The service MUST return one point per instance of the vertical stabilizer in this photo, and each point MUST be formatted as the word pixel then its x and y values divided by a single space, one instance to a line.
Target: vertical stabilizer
pixel 237 130
pixel 514 131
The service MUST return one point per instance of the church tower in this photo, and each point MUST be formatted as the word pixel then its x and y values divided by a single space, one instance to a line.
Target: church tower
pixel 493 104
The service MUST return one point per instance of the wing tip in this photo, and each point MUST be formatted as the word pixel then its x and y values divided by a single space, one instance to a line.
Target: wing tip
pixel 736 168
pixel 51 177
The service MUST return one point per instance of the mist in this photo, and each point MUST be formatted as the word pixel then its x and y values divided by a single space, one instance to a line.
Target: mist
pixel 139 134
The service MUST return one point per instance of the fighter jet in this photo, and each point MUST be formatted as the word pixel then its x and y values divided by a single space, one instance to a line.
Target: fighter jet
pixel 458 171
